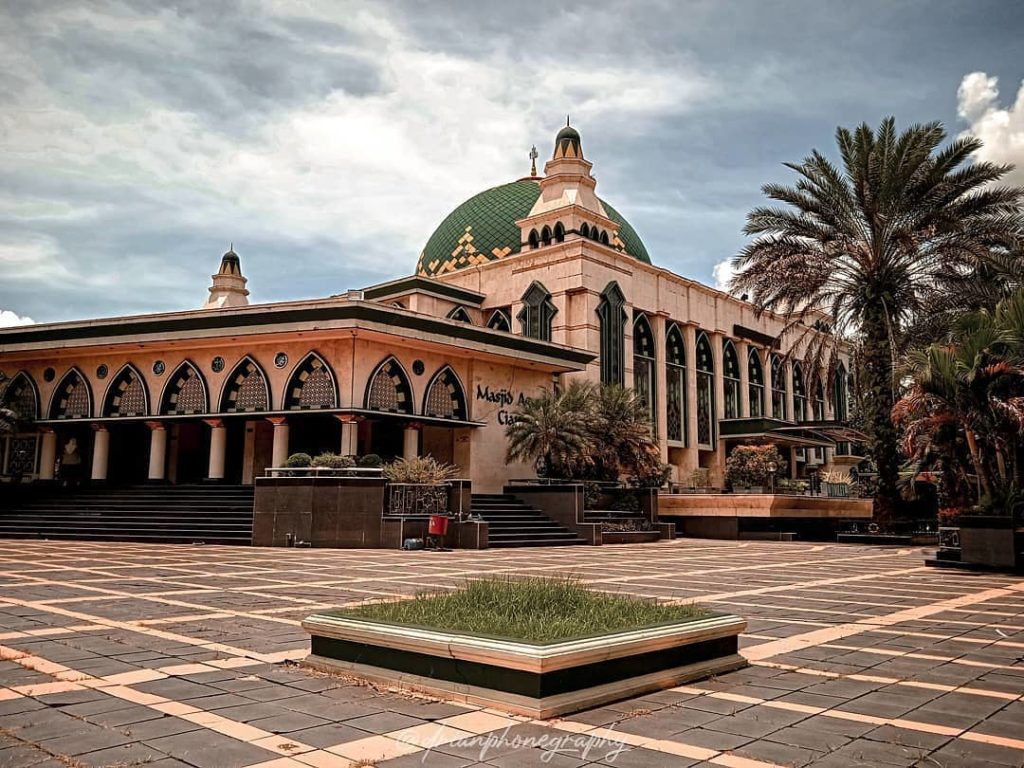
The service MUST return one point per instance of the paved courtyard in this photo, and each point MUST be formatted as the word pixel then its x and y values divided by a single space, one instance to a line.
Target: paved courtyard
pixel 162 655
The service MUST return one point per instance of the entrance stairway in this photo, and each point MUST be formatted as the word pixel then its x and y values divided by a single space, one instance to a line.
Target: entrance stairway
pixel 180 514
pixel 513 523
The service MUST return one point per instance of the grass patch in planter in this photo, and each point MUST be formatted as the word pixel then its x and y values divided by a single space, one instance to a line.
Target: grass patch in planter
pixel 528 610
pixel 537 647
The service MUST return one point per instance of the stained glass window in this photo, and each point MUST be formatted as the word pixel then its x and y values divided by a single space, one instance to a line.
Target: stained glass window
pixel 731 374
pixel 643 366
pixel 675 397
pixel 611 315
pixel 705 393
pixel 755 383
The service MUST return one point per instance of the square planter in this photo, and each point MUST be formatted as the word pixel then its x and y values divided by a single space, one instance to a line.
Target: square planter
pixel 539 680
pixel 988 541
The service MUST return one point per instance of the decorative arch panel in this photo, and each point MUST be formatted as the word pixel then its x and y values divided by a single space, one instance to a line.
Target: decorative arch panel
pixel 185 393
pixel 312 386
pixel 445 397
pixel 389 389
pixel 72 398
pixel 127 394
pixel 246 389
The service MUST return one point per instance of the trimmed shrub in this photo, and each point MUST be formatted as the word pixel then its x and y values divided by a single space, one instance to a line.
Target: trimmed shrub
pixel 299 460
pixel 333 461
pixel 371 461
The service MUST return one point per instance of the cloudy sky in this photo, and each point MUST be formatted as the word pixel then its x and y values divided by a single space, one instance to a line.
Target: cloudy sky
pixel 327 139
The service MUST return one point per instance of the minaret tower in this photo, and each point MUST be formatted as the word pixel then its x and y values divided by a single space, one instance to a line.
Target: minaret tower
pixel 228 288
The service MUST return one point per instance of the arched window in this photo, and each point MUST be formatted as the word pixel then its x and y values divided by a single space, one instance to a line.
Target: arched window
pixel 643 365
pixel 731 374
pixel 126 395
pixel 755 384
pixel 533 239
pixel 840 394
pixel 388 389
pixel 559 232
pixel 799 393
pixel 604 237
pixel 611 314
pixel 185 393
pixel 537 313
pixel 445 398
pixel 72 398
pixel 545 235
pixel 675 397
pixel 460 314
pixel 499 321
pixel 778 389
pixel 705 393
pixel 819 410
pixel 584 230
pixel 246 389
pixel 20 395
pixel 311 386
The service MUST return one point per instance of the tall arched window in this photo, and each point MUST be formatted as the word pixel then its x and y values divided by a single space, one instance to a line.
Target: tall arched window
pixel 185 393
pixel 559 232
pixel 537 313
pixel 533 239
pixel 460 314
pixel 20 395
pixel 675 397
pixel 755 384
pixel 126 395
pixel 840 394
pixel 311 386
pixel 72 399
pixel 779 410
pixel 388 389
pixel 731 375
pixel 604 237
pixel 819 410
pixel 584 230
pixel 445 397
pixel 545 235
pixel 499 321
pixel 705 393
pixel 246 390
pixel 643 365
pixel 611 315
pixel 799 393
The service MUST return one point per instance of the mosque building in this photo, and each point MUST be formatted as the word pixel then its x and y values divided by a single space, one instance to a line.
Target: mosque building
pixel 527 284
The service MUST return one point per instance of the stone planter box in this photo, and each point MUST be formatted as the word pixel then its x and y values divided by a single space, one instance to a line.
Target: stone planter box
pixel 630 537
pixel 536 680
pixel 988 540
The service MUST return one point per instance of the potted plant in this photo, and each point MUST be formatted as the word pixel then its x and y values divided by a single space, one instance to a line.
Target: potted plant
pixel 750 467
pixel 418 486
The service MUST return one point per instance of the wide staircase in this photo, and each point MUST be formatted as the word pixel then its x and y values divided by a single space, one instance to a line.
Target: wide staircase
pixel 513 523
pixel 181 514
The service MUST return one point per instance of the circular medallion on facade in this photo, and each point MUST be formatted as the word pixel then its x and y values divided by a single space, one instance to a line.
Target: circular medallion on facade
pixel 101 371
pixel 417 367
pixel 280 360
pixel 159 367
pixel 49 374
pixel 218 364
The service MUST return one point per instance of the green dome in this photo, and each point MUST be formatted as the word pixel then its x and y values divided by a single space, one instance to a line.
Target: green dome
pixel 483 229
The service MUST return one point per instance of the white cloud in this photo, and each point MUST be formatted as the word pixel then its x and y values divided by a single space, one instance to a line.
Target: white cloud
pixel 1001 129
pixel 723 272
pixel 9 319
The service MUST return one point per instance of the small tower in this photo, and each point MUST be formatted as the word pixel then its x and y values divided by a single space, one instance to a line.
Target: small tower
pixel 228 289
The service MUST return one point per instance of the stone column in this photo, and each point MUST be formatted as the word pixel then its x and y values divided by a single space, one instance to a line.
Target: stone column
pixel 47 454
pixel 218 449
pixel 743 354
pixel 157 450
pixel 690 393
pixel 349 435
pixel 411 442
pixel 279 453
pixel 660 385
pixel 100 451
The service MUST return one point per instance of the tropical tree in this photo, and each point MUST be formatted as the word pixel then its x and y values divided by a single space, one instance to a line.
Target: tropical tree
pixel 553 431
pixel 859 250
pixel 9 418
pixel 970 390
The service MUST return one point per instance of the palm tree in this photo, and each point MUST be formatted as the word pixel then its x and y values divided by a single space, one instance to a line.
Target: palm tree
pixel 971 388
pixel 622 433
pixel 860 250
pixel 553 430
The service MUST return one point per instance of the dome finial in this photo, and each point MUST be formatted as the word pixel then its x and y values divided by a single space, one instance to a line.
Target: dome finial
pixel 533 160
pixel 567 142
pixel 566 119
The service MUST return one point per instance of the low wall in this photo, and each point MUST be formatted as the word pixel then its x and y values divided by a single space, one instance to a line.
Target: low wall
pixel 345 512
pixel 732 515
pixel 562 503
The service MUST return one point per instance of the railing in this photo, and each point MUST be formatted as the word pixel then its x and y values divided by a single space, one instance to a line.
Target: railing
pixel 405 499
pixel 547 481
pixel 361 472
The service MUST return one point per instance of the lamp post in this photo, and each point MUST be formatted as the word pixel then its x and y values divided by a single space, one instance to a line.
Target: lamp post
pixel 772 469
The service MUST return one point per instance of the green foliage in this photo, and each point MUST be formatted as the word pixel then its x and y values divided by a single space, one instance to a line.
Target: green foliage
pixel 333 461
pixel 874 244
pixel 425 470
pixel 370 461
pixel 749 465
pixel 299 460
pixel 530 610
pixel 587 432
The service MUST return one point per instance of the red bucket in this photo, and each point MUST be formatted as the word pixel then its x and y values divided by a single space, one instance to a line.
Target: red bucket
pixel 438 525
